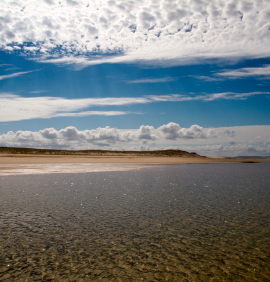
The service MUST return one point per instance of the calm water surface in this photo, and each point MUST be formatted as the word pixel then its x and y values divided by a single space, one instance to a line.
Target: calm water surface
pixel 174 223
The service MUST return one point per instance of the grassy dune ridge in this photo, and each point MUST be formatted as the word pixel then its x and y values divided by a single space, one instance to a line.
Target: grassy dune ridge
pixel 158 153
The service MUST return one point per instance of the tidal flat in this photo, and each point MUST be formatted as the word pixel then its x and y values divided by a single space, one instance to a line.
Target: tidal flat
pixel 182 222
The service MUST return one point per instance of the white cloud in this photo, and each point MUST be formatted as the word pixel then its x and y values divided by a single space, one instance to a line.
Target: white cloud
pixel 91 113
pixel 223 141
pixel 174 131
pixel 15 108
pixel 153 80
pixel 5 65
pixel 147 133
pixel 107 136
pixel 2 77
pixel 38 91
pixel 8 48
pixel 206 78
pixel 163 31
pixel 258 72
pixel 13 68
pixel 231 95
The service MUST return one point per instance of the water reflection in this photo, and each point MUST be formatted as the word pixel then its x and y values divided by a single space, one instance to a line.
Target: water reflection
pixel 23 169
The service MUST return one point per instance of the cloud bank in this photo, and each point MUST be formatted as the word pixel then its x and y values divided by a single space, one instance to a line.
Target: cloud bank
pixel 242 140
pixel 107 136
pixel 164 31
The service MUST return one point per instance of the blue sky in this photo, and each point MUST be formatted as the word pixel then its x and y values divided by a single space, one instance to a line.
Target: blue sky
pixel 192 75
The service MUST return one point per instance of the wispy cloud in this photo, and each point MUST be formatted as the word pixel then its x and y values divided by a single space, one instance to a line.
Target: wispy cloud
pixel 81 62
pixel 13 68
pixel 38 91
pixel 93 113
pixel 257 72
pixel 14 107
pixel 229 96
pixel 206 78
pixel 7 76
pixel 205 97
pixel 153 80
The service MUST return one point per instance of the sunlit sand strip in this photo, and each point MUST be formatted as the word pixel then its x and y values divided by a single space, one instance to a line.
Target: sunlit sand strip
pixel 67 168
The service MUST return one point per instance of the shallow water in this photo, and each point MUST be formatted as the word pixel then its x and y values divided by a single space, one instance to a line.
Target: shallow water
pixel 23 169
pixel 174 223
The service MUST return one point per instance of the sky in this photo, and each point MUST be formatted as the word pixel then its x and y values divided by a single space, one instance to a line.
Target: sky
pixel 136 75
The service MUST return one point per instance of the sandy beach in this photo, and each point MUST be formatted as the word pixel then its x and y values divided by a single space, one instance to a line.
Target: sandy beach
pixel 15 159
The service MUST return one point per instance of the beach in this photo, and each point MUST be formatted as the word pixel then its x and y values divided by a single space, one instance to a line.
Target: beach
pixel 16 159
pixel 14 164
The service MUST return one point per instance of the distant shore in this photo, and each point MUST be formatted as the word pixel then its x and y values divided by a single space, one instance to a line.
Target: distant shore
pixel 20 156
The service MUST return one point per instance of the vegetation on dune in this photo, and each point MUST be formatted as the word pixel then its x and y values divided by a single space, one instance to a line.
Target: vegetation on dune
pixel 33 151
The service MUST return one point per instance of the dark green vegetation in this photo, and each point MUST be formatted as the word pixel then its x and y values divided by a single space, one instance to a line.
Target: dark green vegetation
pixel 33 151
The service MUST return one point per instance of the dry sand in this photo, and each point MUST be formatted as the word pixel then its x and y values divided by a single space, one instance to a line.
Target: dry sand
pixel 60 159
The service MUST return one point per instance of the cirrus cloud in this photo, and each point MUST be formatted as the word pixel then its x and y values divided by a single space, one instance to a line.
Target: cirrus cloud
pixel 15 108
pixel 7 76
pixel 259 72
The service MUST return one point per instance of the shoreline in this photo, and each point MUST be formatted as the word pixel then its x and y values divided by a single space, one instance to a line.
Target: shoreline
pixel 47 164
pixel 15 159
pixel 20 164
